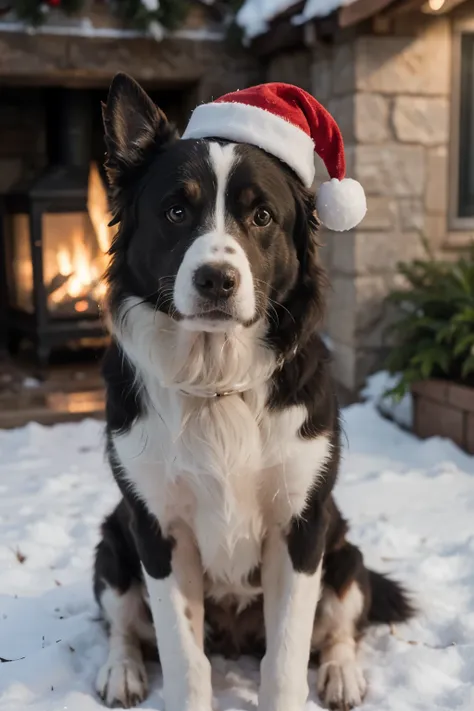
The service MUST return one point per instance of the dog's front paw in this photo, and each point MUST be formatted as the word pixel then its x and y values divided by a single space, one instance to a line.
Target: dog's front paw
pixel 341 685
pixel 122 684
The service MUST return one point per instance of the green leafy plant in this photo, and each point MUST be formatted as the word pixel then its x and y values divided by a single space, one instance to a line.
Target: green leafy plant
pixel 434 324
pixel 139 14
pixel 35 12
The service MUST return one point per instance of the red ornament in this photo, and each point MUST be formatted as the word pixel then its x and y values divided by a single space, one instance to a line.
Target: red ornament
pixel 54 3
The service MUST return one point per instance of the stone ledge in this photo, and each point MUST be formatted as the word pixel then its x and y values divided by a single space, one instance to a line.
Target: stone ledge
pixel 90 61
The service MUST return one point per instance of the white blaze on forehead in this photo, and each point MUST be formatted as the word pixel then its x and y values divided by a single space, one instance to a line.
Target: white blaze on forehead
pixel 216 245
pixel 223 160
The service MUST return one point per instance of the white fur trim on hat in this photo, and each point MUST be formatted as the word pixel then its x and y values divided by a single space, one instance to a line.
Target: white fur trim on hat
pixel 341 204
pixel 250 124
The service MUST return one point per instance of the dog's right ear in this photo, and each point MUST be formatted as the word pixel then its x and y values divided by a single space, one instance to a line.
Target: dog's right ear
pixel 133 126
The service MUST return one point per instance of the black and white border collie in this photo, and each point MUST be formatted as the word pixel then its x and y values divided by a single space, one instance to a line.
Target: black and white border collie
pixel 223 429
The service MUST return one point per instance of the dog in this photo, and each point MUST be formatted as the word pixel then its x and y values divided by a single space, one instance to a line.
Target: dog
pixel 222 427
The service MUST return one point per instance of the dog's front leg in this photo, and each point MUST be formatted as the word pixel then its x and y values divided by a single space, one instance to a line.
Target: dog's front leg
pixel 174 579
pixel 291 578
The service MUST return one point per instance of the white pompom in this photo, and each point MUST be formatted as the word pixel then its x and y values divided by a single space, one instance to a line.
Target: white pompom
pixel 341 204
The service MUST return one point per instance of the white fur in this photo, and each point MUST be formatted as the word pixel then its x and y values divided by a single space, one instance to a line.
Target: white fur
pixel 340 678
pixel 177 606
pixel 223 160
pixel 123 678
pixel 186 669
pixel 216 246
pixel 290 601
pixel 224 463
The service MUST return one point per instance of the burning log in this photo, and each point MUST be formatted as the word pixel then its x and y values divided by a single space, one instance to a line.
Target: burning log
pixel 56 283
pixel 64 299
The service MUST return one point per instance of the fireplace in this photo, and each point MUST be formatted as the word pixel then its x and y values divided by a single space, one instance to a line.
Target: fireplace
pixel 56 236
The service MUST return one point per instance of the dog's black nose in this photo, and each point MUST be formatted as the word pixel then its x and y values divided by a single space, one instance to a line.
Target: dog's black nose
pixel 216 281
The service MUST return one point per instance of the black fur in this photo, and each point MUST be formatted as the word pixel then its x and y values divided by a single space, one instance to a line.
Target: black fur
pixel 149 171
pixel 117 562
pixel 306 538
pixel 153 548
pixel 123 401
pixel 389 600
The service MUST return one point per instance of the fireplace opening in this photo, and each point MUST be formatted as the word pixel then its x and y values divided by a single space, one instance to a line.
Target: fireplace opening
pixel 56 235
pixel 75 246
pixel 54 232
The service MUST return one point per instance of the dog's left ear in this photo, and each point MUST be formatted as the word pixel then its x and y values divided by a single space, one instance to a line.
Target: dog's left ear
pixel 303 309
pixel 133 124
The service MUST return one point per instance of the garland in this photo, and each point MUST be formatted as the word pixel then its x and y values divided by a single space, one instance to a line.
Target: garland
pixel 144 14
pixel 140 14
pixel 34 12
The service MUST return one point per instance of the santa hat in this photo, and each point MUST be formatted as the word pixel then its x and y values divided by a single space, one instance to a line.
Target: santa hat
pixel 290 124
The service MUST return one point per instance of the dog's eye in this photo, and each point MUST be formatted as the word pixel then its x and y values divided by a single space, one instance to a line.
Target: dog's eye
pixel 176 214
pixel 262 217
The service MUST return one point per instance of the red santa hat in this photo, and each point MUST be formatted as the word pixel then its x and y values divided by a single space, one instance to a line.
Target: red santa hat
pixel 290 124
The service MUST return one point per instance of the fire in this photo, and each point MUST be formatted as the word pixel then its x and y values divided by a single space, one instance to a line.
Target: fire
pixel 98 209
pixel 81 258
pixel 81 306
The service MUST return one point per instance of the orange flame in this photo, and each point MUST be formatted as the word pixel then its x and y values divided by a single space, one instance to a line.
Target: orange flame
pixel 82 262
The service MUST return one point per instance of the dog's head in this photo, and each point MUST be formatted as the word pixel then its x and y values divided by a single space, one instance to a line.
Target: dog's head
pixel 217 235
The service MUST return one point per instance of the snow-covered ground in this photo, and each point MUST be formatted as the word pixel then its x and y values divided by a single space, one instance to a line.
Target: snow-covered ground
pixel 411 505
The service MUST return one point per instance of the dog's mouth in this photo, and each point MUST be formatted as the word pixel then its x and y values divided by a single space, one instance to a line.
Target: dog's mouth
pixel 212 311
pixel 216 314
pixel 212 319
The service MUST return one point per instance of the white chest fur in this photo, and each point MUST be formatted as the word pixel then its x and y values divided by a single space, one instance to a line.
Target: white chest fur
pixel 226 475
pixel 227 466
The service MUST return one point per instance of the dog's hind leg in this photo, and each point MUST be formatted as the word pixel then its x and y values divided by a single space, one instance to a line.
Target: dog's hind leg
pixel 119 590
pixel 341 614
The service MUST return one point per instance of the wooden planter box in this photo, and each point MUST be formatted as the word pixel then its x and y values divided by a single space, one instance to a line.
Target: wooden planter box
pixel 443 409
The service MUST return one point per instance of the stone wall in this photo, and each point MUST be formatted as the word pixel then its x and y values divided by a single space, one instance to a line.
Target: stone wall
pixel 390 95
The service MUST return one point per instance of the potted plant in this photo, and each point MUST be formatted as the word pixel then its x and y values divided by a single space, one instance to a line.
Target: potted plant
pixel 434 346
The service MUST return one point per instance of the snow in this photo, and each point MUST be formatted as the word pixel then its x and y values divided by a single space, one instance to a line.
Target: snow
pixel 411 505
pixel 322 8
pixel 254 15
pixel 151 5
pixel 401 411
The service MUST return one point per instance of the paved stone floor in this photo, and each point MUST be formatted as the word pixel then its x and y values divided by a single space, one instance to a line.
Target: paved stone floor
pixel 63 392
